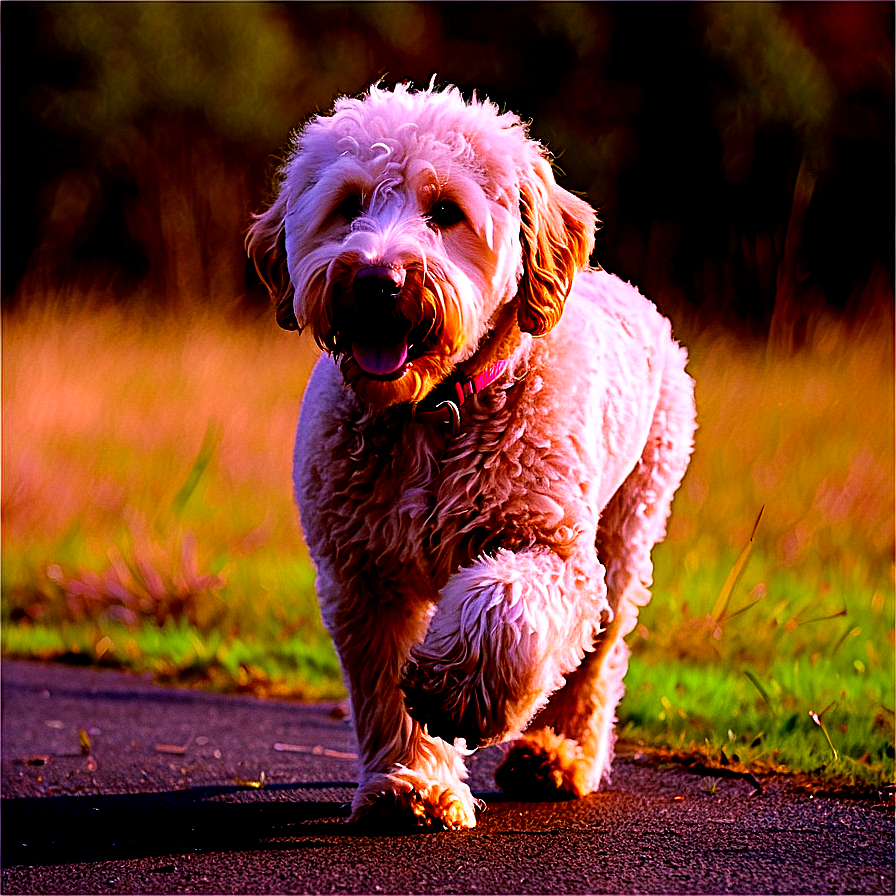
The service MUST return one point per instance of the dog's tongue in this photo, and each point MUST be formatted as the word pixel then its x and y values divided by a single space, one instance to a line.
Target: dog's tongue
pixel 380 360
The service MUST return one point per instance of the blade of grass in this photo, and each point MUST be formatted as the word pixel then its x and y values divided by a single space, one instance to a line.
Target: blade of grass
pixel 744 608
pixel 817 719
pixel 718 611
pixel 204 457
pixel 762 692
pixel 824 618
pixel 849 630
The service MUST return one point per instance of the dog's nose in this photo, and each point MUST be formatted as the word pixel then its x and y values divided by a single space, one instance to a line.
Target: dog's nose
pixel 377 284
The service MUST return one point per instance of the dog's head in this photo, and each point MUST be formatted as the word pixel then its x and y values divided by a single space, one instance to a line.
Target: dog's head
pixel 406 224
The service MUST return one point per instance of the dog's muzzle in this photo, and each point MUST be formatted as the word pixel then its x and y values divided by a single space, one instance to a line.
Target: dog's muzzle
pixel 379 337
pixel 374 327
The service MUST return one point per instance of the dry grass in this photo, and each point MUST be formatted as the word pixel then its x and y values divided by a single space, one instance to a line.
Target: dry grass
pixel 107 411
pixel 146 469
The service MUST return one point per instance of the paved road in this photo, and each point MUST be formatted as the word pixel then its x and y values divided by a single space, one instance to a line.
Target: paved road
pixel 163 803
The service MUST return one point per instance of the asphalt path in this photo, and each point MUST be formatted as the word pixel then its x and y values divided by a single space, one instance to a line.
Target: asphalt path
pixel 181 791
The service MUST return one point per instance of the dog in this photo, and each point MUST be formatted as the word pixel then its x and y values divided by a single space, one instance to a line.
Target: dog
pixel 486 452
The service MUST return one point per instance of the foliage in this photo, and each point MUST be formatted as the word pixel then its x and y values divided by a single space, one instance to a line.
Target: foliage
pixel 724 144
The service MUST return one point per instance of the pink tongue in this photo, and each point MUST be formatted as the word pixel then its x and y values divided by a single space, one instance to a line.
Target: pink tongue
pixel 380 360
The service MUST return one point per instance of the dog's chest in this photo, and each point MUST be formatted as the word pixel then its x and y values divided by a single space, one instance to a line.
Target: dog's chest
pixel 410 503
pixel 407 503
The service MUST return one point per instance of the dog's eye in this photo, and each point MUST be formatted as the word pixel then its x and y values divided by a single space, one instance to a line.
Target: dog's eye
pixel 350 208
pixel 445 213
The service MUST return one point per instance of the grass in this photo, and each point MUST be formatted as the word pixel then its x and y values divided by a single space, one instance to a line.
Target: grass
pixel 808 626
pixel 147 521
pixel 148 525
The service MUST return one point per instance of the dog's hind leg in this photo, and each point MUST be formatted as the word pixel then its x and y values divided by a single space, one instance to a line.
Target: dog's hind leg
pixel 568 749
pixel 406 778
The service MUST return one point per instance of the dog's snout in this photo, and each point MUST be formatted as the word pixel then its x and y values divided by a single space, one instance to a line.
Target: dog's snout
pixel 377 284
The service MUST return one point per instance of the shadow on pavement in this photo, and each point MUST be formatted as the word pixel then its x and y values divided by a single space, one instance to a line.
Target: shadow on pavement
pixel 63 829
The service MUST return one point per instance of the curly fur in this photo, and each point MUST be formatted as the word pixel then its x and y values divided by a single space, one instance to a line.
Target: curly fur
pixel 477 584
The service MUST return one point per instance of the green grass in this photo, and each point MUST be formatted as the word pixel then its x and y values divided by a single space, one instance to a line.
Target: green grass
pixel 808 626
pixel 744 689
pixel 148 525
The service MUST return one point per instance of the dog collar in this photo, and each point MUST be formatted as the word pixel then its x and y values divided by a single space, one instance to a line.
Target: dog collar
pixel 446 410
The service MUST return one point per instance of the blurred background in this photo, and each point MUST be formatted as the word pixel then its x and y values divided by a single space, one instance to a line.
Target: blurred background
pixel 741 157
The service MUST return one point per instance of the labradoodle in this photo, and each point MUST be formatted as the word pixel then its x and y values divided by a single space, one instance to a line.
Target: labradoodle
pixel 486 454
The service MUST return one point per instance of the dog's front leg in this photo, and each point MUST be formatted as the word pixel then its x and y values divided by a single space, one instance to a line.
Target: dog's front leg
pixel 507 629
pixel 406 778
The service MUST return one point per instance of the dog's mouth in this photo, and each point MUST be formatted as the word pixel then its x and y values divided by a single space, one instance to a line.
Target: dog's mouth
pixel 384 348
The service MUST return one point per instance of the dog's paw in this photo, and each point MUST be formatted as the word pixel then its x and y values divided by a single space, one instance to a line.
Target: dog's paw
pixel 450 706
pixel 544 765
pixel 406 801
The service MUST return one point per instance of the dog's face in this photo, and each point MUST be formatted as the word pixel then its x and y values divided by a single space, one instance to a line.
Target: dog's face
pixel 407 226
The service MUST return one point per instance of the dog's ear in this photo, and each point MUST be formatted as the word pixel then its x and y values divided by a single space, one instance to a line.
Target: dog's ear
pixel 557 235
pixel 266 245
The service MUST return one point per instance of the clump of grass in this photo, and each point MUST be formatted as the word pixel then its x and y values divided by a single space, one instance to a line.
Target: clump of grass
pixel 152 584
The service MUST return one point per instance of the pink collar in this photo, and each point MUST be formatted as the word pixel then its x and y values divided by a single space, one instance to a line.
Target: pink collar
pixel 446 411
